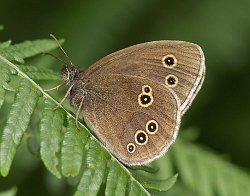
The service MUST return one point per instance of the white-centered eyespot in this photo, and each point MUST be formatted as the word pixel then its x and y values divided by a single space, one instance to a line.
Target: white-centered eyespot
pixel 145 100
pixel 147 89
pixel 141 138
pixel 152 127
pixel 169 61
pixel 131 148
pixel 171 80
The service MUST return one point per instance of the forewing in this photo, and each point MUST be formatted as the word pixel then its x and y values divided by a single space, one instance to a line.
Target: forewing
pixel 147 61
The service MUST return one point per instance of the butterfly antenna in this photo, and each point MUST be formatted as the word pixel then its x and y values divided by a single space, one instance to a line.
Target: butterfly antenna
pixel 54 56
pixel 61 49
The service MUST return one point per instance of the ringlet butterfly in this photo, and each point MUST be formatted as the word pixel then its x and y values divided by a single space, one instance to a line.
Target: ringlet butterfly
pixel 133 99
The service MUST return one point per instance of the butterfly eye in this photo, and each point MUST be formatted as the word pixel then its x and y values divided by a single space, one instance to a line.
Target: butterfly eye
pixel 152 127
pixel 169 61
pixel 141 137
pixel 131 148
pixel 171 80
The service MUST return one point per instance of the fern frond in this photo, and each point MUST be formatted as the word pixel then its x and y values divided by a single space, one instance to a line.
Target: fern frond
pixel 157 185
pixel 40 73
pixel 4 79
pixel 18 120
pixel 73 145
pixel 5 44
pixel 117 180
pixel 2 95
pixel 51 136
pixel 135 190
pixel 207 174
pixel 18 52
pixel 93 171
pixel 11 192
pixel 145 168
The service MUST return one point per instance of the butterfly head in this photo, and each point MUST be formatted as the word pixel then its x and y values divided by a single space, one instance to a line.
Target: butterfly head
pixel 70 74
pixel 72 78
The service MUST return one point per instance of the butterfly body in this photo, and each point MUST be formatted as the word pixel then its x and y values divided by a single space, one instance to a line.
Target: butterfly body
pixel 133 99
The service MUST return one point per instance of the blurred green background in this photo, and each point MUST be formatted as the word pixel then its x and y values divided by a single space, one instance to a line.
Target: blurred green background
pixel 93 29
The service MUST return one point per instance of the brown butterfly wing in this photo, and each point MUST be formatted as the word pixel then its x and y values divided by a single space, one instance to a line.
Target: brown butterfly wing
pixel 112 109
pixel 147 60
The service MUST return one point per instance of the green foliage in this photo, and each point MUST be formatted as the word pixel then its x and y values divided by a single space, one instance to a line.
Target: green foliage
pixel 94 170
pixel 17 122
pixel 40 73
pixel 11 192
pixel 158 185
pixel 4 79
pixel 71 153
pixel 51 136
pixel 73 146
pixel 206 174
pixel 116 181
pixel 18 52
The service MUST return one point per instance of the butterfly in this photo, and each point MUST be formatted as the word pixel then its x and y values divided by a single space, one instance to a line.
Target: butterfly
pixel 133 99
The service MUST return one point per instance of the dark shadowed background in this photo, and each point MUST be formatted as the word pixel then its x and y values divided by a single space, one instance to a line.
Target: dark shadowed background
pixel 93 29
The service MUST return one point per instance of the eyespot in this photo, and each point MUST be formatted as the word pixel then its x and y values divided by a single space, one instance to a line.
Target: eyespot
pixel 131 148
pixel 171 80
pixel 169 61
pixel 152 127
pixel 141 138
pixel 145 100
pixel 146 89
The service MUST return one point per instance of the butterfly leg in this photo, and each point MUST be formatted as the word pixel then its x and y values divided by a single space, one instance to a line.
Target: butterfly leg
pixel 63 99
pixel 54 88
pixel 78 111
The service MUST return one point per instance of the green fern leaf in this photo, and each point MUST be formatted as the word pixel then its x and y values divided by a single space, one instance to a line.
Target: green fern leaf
pixel 5 44
pixel 11 192
pixel 135 189
pixel 2 95
pixel 94 170
pixel 51 136
pixel 157 185
pixel 27 49
pixel 72 149
pixel 40 73
pixel 4 78
pixel 117 180
pixel 145 168
pixel 18 119
pixel 207 174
